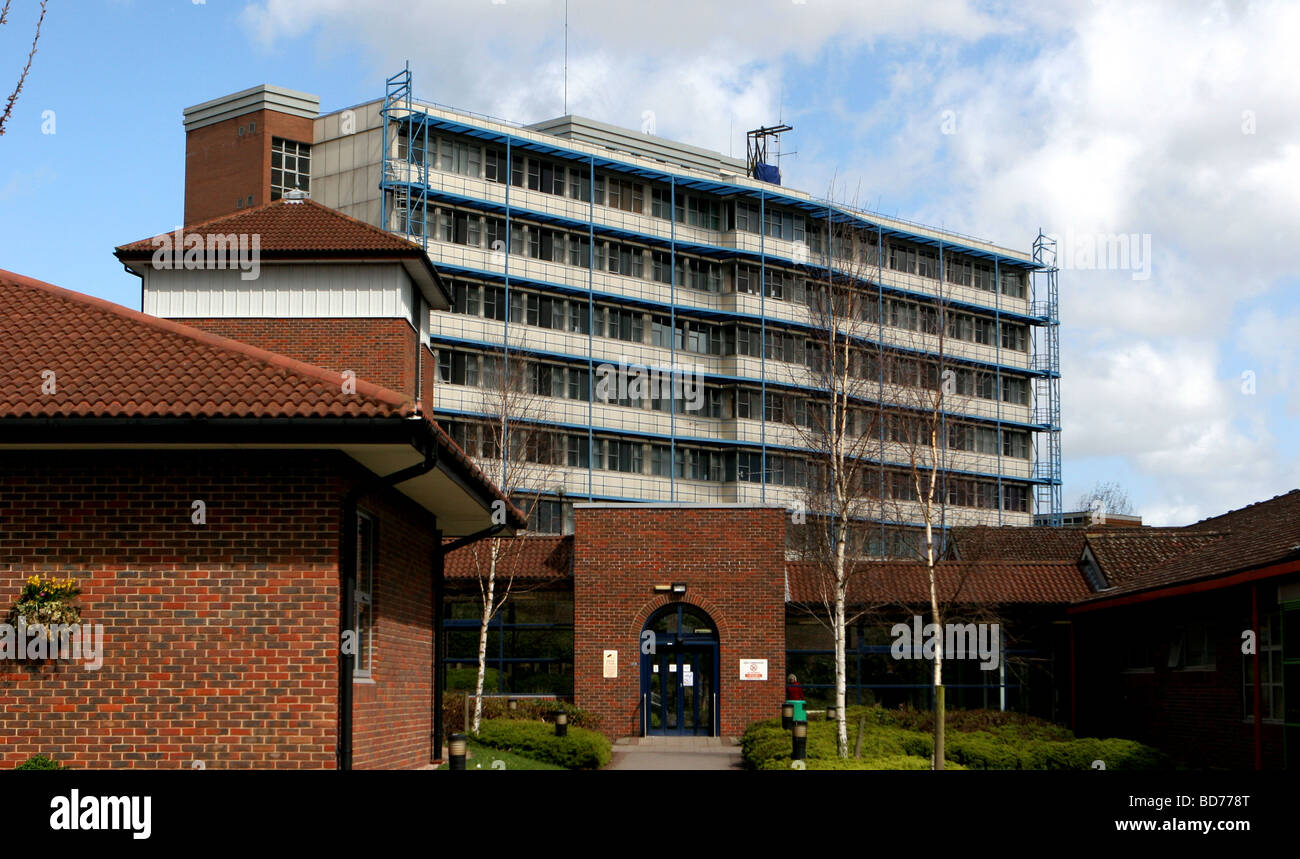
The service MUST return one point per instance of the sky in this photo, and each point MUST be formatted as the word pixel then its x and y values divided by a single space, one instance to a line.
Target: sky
pixel 1167 130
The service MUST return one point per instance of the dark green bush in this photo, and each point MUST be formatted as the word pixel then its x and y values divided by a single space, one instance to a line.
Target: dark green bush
pixel 581 749
pixel 975 739
pixel 39 762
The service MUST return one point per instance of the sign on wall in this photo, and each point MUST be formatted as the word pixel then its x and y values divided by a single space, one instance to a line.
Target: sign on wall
pixel 753 669
pixel 611 664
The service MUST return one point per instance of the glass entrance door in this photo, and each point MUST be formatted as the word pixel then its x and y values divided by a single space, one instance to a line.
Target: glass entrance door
pixel 679 674
pixel 680 693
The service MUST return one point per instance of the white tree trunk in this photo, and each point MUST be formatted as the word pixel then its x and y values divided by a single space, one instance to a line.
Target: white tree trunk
pixel 489 603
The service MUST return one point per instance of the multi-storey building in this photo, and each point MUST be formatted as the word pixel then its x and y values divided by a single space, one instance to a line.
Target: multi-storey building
pixel 585 253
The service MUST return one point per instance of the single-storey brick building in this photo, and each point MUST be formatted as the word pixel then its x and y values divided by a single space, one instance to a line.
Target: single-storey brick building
pixel 260 539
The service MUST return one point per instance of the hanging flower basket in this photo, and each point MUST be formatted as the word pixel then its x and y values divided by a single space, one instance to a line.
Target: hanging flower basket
pixel 45 602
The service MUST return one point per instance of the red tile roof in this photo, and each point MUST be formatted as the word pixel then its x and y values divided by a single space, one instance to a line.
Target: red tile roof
pixel 906 582
pixel 111 361
pixel 1016 543
pixel 301 230
pixel 532 558
pixel 1261 534
pixel 285 227
pixel 1126 556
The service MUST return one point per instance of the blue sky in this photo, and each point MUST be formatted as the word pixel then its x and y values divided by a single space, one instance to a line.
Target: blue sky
pixel 1177 122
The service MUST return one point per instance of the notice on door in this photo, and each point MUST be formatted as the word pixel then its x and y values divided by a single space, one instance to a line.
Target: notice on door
pixel 753 669
pixel 688 678
pixel 611 664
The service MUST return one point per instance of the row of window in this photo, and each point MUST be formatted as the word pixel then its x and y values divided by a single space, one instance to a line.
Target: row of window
pixel 459 227
pixel 690 397
pixel 575 315
pixel 476 369
pixel 577 450
pixel 452 154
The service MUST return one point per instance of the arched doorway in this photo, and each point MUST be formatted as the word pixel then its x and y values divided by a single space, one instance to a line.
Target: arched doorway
pixel 679 673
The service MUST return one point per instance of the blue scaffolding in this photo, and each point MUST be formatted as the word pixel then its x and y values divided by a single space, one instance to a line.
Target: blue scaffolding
pixel 1047 385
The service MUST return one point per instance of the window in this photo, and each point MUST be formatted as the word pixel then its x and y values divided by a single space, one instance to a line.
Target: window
pixel 747 217
pixel 456 156
pixel 1193 649
pixel 1013 283
pixel 1013 337
pixel 927 264
pixel 624 195
pixel 290 167
pixel 494 166
pixel 1014 497
pixel 363 604
pixel 1269 645
pixel 1015 444
pixel 902 259
pixel 1015 391
pixel 577 451
pixel 661 203
pixel 620 455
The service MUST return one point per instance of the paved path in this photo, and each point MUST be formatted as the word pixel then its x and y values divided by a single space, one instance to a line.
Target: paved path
pixel 675 753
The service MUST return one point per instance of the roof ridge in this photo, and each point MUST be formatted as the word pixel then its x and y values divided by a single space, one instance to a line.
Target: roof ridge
pixel 1247 507
pixel 274 359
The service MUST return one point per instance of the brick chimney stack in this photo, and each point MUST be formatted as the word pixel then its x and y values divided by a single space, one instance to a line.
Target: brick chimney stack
pixel 246 149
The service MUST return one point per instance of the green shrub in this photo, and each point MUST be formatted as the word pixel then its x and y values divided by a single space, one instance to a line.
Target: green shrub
pixel 39 762
pixel 528 709
pixel 581 749
pixel 975 739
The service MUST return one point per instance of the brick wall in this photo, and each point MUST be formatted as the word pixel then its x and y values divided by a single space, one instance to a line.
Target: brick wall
pixel 1197 716
pixel 220 640
pixel 392 715
pixel 222 166
pixel 381 351
pixel 733 563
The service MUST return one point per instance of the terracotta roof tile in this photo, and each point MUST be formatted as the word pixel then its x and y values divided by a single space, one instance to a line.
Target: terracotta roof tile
pixel 1258 535
pixel 991 582
pixel 532 558
pixel 1127 555
pixel 300 228
pixel 111 361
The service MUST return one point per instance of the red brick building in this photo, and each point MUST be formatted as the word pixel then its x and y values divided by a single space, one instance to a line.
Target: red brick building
pixel 229 514
pixel 679 616
pixel 1191 639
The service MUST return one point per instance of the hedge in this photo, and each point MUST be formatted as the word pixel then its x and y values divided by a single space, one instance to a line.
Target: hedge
pixel 975 739
pixel 528 709
pixel 581 749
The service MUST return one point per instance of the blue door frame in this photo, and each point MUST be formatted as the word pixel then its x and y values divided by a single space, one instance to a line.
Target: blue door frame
pixel 679 674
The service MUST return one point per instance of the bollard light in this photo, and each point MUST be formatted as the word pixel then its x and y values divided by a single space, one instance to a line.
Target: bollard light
pixel 799 743
pixel 787 715
pixel 512 704
pixel 831 713
pixel 561 724
pixel 456 748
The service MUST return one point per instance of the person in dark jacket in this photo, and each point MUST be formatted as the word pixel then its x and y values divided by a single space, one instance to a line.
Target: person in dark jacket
pixel 793 691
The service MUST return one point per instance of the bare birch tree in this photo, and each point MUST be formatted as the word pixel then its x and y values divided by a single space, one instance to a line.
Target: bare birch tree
pixel 841 434
pixel 31 54
pixel 924 384
pixel 513 449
